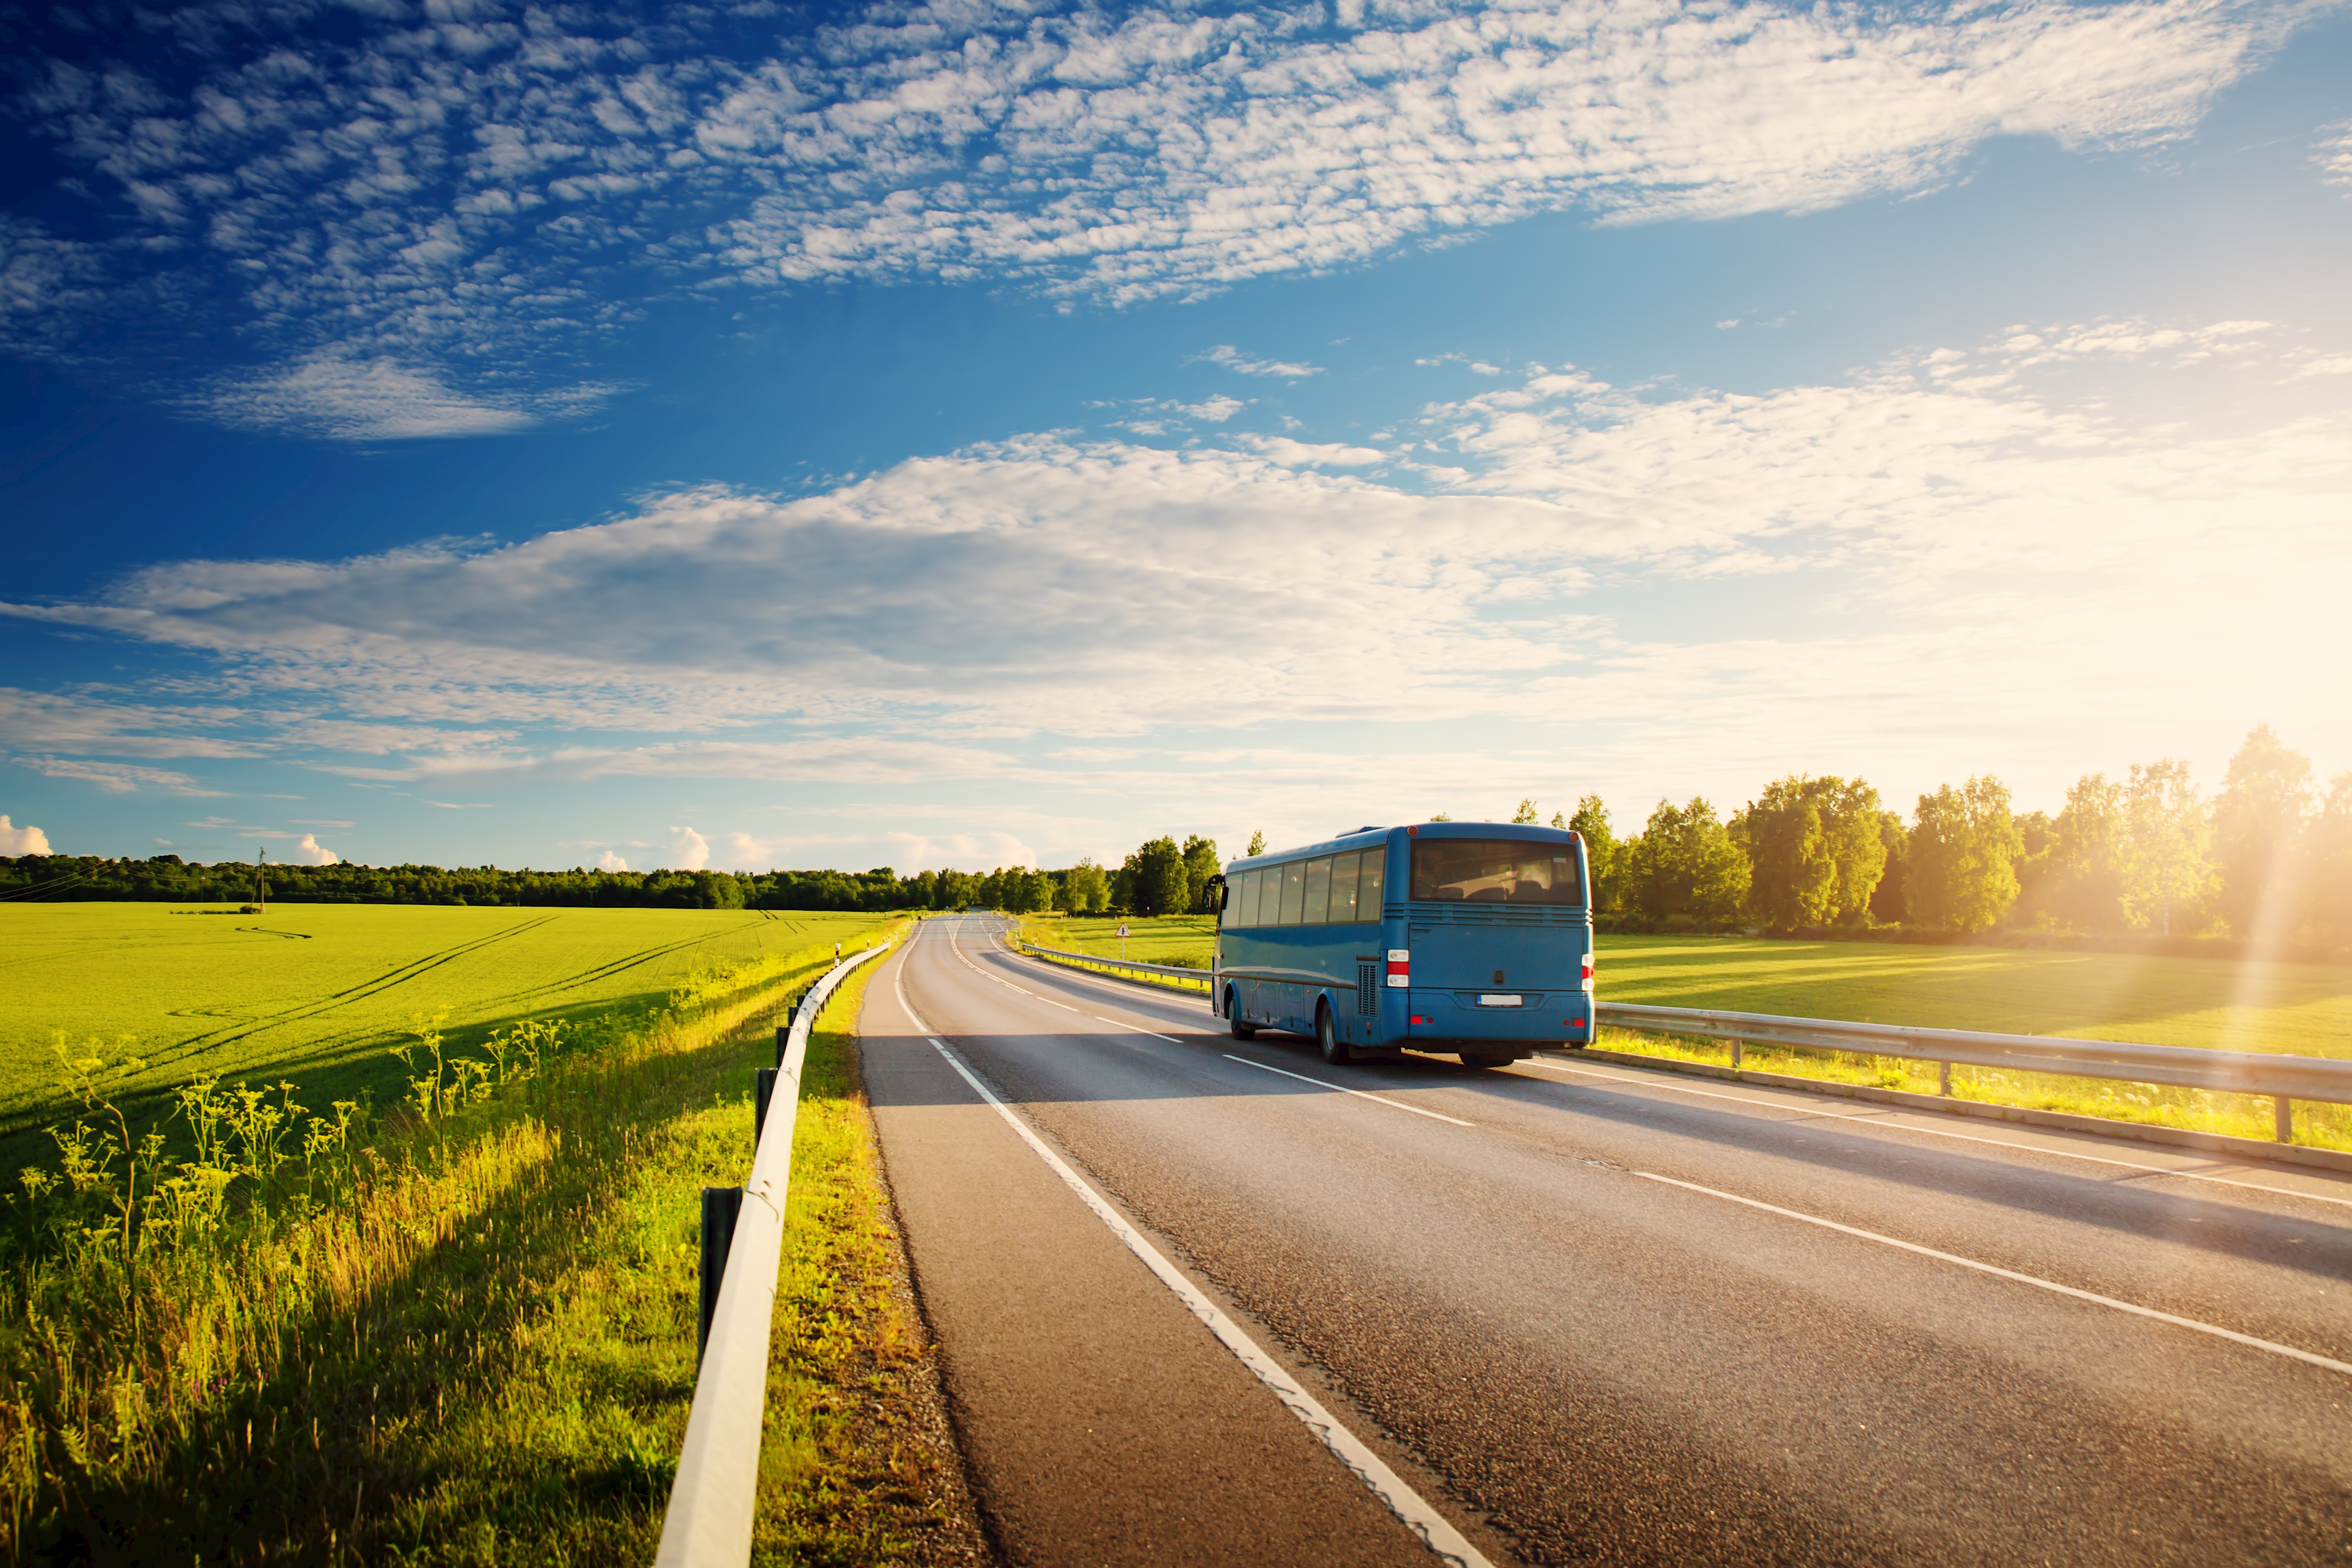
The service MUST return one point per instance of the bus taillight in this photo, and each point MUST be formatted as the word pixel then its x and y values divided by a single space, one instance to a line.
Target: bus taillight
pixel 1399 968
pixel 1588 971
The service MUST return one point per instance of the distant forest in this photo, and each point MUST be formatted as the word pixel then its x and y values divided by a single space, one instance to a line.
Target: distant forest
pixel 2267 861
pixel 169 879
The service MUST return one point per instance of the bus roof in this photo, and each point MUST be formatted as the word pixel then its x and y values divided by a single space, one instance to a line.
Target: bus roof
pixel 1365 838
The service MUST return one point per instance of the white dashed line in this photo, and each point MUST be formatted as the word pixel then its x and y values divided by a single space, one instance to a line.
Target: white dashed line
pixel 1870 1121
pixel 1375 1099
pixel 2039 1284
pixel 1436 1533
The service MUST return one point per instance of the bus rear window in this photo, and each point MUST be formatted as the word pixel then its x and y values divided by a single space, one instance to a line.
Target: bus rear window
pixel 1494 871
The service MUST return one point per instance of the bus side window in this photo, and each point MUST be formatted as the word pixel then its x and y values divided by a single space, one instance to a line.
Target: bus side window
pixel 1294 886
pixel 1343 889
pixel 1269 890
pixel 1368 888
pixel 1318 891
pixel 1240 900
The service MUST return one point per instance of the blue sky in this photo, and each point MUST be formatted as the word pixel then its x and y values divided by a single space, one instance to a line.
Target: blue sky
pixel 970 433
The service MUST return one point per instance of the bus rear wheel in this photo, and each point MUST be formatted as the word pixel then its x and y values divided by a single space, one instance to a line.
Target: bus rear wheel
pixel 1233 1015
pixel 1326 1037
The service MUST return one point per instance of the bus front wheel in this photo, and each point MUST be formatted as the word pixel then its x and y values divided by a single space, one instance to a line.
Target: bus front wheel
pixel 1233 1015
pixel 1326 1036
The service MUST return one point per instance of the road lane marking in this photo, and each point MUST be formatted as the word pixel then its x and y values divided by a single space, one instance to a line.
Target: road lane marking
pixel 1375 1099
pixel 1431 1526
pixel 957 949
pixel 1872 1120
pixel 2035 1280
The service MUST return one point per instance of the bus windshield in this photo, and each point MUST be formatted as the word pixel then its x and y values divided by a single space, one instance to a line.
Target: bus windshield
pixel 1494 871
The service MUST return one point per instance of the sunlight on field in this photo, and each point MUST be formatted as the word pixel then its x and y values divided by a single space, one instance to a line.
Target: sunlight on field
pixel 317 992
pixel 2304 1009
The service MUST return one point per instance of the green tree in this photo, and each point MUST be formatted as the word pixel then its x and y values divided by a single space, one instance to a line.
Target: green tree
pixel 2170 873
pixel 2258 831
pixel 1257 843
pixel 1961 871
pixel 1814 850
pixel 1525 815
pixel 1202 867
pixel 1086 888
pixel 2328 859
pixel 1154 875
pixel 2080 884
pixel 1886 901
pixel 1684 870
pixel 1604 856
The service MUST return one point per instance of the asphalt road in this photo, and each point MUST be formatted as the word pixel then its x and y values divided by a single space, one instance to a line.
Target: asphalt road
pixel 1588 1314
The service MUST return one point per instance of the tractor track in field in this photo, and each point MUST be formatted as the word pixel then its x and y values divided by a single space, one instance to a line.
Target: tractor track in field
pixel 26 1112
pixel 604 971
pixel 179 1051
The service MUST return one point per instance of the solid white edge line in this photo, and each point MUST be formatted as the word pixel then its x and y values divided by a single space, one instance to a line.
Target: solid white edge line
pixel 2034 1279
pixel 1327 1084
pixel 1872 1120
pixel 1441 1538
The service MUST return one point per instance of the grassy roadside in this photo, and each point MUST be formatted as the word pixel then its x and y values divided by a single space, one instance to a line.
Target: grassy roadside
pixel 2153 1104
pixel 858 1463
pixel 1184 941
pixel 470 1340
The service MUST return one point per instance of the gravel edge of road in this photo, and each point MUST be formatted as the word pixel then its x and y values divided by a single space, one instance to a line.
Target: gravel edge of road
pixel 890 1482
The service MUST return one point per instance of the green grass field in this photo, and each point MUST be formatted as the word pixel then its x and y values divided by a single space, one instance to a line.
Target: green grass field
pixel 1181 939
pixel 2303 1009
pixel 317 993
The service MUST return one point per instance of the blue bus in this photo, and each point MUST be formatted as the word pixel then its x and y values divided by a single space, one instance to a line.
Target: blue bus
pixel 1469 938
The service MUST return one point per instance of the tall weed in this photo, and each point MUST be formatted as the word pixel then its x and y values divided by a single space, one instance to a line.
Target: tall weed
pixel 230 1336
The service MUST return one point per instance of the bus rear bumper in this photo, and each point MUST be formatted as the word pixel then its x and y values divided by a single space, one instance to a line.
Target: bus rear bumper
pixel 1441 1019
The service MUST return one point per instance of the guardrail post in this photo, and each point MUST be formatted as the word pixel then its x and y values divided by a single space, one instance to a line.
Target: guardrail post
pixel 1734 1055
pixel 720 1205
pixel 2283 1116
pixel 1944 1078
pixel 763 1088
pixel 784 1035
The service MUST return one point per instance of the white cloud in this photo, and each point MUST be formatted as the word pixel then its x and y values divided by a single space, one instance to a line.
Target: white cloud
pixel 311 852
pixel 688 850
pixel 1957 562
pixel 978 851
pixel 28 839
pixel 608 860
pixel 1232 358
pixel 61 721
pixel 393 200
pixel 347 399
pixel 1314 455
pixel 2332 154
pixel 1214 411
pixel 115 778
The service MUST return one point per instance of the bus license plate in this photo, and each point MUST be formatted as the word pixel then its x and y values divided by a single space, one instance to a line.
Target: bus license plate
pixel 1491 1000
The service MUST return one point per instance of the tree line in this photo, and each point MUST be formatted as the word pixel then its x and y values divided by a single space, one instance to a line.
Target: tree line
pixel 169 879
pixel 1159 878
pixel 2267 859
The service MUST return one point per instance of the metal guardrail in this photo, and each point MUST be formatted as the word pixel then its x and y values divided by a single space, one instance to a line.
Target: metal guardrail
pixel 1175 971
pixel 2284 1079
pixel 708 1522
